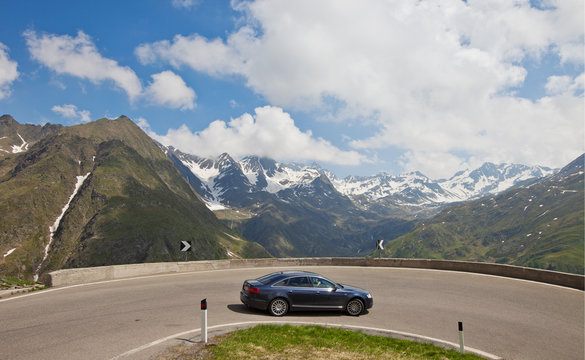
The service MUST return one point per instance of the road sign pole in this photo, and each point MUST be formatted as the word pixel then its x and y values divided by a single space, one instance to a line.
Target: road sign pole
pixel 379 247
pixel 461 345
pixel 204 321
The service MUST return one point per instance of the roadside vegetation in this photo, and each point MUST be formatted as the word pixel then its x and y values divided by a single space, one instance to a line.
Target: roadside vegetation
pixel 17 286
pixel 309 342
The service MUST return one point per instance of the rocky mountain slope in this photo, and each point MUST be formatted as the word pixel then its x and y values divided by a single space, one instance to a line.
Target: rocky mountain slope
pixel 98 194
pixel 13 135
pixel 290 210
pixel 540 226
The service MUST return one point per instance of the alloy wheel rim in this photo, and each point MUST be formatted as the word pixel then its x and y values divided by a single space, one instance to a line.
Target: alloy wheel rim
pixel 278 307
pixel 355 307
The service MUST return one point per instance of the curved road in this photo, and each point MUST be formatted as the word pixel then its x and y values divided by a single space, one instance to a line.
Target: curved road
pixel 511 318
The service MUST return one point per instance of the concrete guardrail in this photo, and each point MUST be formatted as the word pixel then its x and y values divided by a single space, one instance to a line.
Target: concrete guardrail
pixel 77 276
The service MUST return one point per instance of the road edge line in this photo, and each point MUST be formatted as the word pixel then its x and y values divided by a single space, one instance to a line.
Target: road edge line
pixel 369 330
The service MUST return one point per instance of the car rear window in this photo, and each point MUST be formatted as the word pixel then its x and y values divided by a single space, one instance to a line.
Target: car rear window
pixel 267 279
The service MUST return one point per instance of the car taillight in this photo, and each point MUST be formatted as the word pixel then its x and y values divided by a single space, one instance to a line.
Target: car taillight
pixel 253 290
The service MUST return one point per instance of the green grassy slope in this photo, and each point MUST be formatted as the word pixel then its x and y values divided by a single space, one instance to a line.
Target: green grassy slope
pixel 293 230
pixel 541 226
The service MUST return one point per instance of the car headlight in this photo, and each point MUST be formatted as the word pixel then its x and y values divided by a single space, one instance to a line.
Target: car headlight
pixel 369 296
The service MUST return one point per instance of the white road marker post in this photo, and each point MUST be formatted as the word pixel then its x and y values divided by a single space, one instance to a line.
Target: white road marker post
pixel 461 345
pixel 204 321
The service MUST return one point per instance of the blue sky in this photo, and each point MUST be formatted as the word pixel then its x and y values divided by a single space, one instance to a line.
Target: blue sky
pixel 359 87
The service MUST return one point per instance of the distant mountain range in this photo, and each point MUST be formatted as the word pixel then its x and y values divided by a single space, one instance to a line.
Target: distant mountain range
pixel 296 210
pixel 99 194
pixel 225 182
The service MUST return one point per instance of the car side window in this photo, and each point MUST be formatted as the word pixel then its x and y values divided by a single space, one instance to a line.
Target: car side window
pixel 302 281
pixel 321 283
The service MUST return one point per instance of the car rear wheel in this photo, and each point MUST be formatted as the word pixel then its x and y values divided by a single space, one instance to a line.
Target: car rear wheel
pixel 278 307
pixel 355 307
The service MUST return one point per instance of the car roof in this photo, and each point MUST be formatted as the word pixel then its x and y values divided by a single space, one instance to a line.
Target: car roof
pixel 295 273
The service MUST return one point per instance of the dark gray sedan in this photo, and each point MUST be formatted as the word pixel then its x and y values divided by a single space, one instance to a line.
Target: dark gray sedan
pixel 300 290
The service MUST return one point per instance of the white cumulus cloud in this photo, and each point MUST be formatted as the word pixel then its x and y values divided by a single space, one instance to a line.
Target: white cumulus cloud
pixel 561 84
pixel 169 89
pixel 438 78
pixel 185 4
pixel 8 71
pixel 78 56
pixel 70 111
pixel 270 132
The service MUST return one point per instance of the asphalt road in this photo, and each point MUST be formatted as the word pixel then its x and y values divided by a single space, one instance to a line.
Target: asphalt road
pixel 510 318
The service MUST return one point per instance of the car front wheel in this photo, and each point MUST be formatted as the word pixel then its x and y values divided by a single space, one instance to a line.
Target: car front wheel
pixel 278 307
pixel 355 307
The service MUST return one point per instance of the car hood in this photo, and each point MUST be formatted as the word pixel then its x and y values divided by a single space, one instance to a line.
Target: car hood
pixel 353 288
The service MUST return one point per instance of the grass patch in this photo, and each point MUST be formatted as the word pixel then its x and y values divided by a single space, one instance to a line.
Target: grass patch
pixel 8 283
pixel 309 342
pixel 18 286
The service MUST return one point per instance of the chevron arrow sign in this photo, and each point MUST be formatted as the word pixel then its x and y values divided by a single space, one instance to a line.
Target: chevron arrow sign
pixel 379 245
pixel 185 245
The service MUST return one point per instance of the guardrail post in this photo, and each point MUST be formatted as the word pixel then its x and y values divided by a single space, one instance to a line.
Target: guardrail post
pixel 204 321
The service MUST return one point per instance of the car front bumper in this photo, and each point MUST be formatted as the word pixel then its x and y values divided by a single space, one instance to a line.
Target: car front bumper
pixel 369 303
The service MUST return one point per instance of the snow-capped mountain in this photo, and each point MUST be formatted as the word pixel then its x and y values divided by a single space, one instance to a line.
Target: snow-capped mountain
pixel 491 179
pixel 415 188
pixel 412 188
pixel 225 182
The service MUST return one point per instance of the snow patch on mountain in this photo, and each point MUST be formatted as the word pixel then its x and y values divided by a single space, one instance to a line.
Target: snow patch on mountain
pixel 214 205
pixel 9 252
pixel 16 148
pixel 204 173
pixel 20 148
pixel 53 228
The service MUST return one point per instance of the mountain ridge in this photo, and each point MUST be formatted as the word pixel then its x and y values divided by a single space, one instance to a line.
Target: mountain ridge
pixel 413 190
pixel 101 193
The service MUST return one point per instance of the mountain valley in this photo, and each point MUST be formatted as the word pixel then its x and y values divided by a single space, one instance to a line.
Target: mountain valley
pixel 296 210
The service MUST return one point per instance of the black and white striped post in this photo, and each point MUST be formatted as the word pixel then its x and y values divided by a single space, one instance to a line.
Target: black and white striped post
pixel 461 345
pixel 204 321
